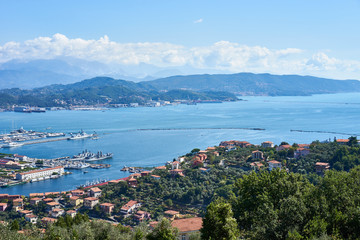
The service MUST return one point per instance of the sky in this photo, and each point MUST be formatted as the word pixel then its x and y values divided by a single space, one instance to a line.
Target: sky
pixel 306 37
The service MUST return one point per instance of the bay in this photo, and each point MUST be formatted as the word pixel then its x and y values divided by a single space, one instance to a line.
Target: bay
pixel 176 130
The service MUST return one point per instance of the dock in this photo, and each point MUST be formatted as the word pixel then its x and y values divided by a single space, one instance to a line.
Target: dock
pixel 45 141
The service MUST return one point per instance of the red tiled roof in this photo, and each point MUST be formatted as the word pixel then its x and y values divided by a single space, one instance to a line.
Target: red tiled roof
pixel 95 189
pixel 107 204
pixel 321 164
pixel 160 167
pixel 188 224
pixel 171 212
pixel 91 199
pixel 53 204
pixel 41 170
pixel 129 205
pixel 274 161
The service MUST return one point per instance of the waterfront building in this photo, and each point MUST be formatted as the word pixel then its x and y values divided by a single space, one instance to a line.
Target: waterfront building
pixel 26 176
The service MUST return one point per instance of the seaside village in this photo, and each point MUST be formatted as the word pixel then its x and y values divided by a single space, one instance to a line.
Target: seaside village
pixel 58 204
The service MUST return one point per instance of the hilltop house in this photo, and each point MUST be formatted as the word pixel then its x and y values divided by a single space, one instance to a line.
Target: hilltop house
pixel 129 207
pixel 95 192
pixel 274 164
pixel 267 144
pixel 107 207
pixel 90 202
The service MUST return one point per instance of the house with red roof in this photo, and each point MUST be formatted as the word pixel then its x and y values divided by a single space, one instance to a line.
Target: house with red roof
pixel 256 165
pixel 75 201
pixel 107 207
pixel 267 144
pixel 129 207
pixel 283 147
pixel 72 213
pixel 90 202
pixel 57 212
pixel 342 141
pixel 35 200
pixel 300 152
pixel 132 182
pixel 273 164
pixel 141 216
pixel 321 167
pixel 52 205
pixel 176 172
pixel 257 155
pixel 95 192
pixel 31 218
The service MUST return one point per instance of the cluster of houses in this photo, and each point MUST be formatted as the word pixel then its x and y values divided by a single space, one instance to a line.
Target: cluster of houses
pixel 258 159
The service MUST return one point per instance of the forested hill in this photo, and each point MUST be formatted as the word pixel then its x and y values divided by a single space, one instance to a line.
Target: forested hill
pixel 257 84
pixel 102 90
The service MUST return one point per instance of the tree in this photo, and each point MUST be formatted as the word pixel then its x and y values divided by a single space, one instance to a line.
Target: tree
pixel 218 223
pixel 353 141
pixel 15 225
pixel 163 231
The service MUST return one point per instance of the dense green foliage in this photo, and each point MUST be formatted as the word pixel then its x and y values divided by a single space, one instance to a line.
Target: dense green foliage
pixel 276 205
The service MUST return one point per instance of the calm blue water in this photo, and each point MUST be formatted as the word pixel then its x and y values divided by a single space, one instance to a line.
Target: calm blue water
pixel 119 134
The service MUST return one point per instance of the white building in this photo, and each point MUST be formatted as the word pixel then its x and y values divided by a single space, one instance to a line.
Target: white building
pixel 25 176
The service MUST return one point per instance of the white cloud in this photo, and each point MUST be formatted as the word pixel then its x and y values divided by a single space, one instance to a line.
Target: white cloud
pixel 223 56
pixel 198 21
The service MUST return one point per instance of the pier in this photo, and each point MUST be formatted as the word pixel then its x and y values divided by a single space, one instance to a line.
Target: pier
pixel 45 141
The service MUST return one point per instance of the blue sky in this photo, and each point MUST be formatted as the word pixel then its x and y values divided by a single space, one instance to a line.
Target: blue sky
pixel 324 29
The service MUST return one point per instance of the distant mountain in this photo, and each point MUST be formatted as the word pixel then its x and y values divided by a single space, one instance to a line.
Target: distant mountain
pixel 64 70
pixel 256 84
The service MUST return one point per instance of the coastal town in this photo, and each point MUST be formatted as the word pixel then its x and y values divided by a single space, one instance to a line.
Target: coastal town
pixel 129 207
pixel 101 107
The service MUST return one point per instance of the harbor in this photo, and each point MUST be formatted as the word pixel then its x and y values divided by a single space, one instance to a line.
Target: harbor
pixel 23 137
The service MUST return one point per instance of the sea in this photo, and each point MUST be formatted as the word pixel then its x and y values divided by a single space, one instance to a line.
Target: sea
pixel 148 137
